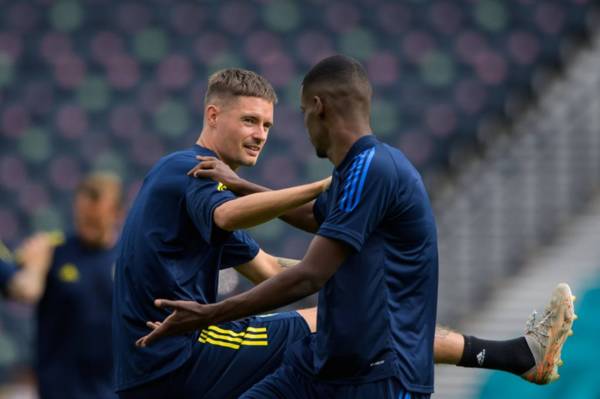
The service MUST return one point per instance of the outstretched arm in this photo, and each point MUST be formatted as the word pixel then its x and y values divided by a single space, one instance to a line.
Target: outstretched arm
pixel 255 209
pixel 323 258
pixel 301 216
pixel 264 266
pixel 29 281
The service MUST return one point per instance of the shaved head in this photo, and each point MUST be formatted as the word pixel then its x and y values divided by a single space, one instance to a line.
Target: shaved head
pixel 341 80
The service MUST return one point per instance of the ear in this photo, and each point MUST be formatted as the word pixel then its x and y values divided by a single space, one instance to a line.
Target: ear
pixel 211 114
pixel 319 106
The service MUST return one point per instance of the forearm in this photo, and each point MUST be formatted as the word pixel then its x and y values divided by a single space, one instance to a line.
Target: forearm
pixel 258 208
pixel 264 266
pixel 244 187
pixel 280 290
pixel 287 262
pixel 301 217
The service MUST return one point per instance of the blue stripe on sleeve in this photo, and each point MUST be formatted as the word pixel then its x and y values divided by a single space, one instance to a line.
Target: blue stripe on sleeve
pixel 356 179
pixel 352 174
pixel 357 173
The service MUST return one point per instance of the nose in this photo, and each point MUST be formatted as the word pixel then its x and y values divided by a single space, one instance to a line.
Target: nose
pixel 260 134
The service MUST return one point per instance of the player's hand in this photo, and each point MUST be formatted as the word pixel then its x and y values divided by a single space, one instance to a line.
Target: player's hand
pixel 36 252
pixel 186 316
pixel 217 170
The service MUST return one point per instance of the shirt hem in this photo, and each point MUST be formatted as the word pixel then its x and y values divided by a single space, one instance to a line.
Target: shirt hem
pixel 336 233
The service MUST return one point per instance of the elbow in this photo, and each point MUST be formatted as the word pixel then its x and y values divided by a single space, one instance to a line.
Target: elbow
pixel 313 282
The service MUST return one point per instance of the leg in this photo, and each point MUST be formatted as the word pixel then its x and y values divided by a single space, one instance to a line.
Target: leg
pixel 231 357
pixel 310 317
pixel 448 346
pixel 534 356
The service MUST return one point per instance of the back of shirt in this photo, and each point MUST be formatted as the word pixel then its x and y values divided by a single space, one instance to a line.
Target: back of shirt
pixel 169 248
pixel 73 357
pixel 376 315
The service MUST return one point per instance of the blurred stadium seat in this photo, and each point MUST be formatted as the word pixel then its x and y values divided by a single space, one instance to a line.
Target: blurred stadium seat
pixel 127 77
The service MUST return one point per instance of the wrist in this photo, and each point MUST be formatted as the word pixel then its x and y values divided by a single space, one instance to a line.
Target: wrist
pixel 211 313
pixel 236 184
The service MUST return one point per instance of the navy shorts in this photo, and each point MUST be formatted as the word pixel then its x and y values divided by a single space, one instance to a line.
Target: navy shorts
pixel 228 359
pixel 287 383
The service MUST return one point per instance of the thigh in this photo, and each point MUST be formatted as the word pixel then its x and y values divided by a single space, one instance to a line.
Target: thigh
pixel 286 383
pixel 231 357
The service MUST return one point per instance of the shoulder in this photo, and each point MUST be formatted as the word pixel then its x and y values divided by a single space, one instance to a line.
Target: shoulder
pixel 186 158
pixel 375 162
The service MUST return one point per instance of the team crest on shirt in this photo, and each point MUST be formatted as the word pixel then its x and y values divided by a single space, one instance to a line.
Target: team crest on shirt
pixel 68 273
pixel 221 187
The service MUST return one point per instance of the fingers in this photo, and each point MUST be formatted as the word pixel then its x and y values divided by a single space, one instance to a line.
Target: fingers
pixel 160 330
pixel 166 303
pixel 206 158
pixel 204 173
pixel 202 166
pixel 153 325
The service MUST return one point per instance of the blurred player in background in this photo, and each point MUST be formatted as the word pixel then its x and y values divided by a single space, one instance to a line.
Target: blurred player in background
pixel 450 347
pixel 70 279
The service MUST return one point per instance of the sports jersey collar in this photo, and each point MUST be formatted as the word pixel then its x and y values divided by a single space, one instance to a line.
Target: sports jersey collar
pixel 359 146
pixel 198 148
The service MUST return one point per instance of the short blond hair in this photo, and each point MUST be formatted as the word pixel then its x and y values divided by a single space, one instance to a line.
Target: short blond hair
pixel 234 82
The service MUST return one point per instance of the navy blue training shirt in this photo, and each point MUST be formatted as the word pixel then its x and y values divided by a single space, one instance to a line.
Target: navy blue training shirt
pixel 74 359
pixel 170 248
pixel 377 314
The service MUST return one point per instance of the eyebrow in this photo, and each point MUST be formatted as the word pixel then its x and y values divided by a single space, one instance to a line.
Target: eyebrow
pixel 257 117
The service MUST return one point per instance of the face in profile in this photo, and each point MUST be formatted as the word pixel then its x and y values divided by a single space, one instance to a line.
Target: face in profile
pixel 311 109
pixel 243 124
pixel 96 215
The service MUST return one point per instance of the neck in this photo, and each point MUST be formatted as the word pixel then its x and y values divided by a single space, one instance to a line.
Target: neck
pixel 206 140
pixel 344 138
pixel 108 240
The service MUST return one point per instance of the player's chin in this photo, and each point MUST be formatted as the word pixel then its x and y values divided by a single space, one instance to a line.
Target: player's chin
pixel 248 160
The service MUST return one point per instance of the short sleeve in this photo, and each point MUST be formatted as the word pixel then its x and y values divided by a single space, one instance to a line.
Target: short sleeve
pixel 365 195
pixel 202 197
pixel 320 206
pixel 239 248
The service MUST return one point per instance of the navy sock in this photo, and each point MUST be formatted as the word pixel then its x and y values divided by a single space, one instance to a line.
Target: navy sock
pixel 512 355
